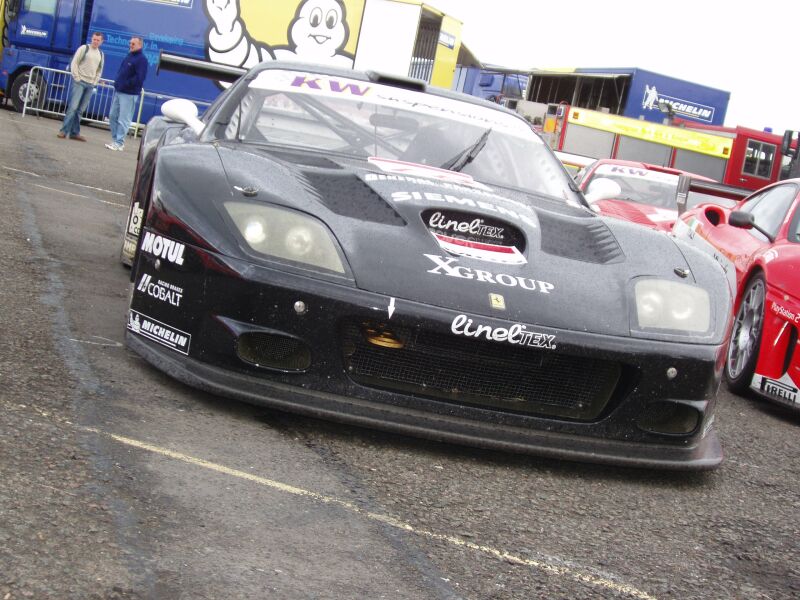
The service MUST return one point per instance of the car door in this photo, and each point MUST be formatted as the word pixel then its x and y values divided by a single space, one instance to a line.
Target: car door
pixel 771 210
pixel 783 258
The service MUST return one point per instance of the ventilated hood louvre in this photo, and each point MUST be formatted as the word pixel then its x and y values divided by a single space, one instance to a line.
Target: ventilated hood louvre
pixel 346 194
pixel 586 239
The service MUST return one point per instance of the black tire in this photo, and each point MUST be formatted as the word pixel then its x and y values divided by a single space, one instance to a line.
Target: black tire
pixel 742 354
pixel 35 86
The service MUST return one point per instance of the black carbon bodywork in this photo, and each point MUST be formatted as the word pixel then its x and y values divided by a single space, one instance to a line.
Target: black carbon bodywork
pixel 539 356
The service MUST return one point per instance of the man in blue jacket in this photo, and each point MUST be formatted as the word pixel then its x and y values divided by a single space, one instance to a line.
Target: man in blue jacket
pixel 127 85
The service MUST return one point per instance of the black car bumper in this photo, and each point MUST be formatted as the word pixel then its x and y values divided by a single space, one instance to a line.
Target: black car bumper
pixel 343 355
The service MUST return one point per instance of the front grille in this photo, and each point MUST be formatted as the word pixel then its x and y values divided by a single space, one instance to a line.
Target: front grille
pixel 488 374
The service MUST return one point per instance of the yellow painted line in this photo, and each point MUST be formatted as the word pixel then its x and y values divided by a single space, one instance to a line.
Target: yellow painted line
pixel 549 568
pixel 44 187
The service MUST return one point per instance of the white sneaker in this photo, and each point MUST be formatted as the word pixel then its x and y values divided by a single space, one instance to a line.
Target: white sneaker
pixel 116 147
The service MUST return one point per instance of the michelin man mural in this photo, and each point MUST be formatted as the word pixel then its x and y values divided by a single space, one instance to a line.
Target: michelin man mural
pixel 650 100
pixel 317 33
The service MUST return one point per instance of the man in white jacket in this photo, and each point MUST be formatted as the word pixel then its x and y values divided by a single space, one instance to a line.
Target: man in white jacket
pixel 86 68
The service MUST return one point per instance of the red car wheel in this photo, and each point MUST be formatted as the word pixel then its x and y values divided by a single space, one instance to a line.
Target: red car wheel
pixel 746 336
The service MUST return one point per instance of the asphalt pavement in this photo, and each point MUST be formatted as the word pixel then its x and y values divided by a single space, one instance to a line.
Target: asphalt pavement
pixel 118 482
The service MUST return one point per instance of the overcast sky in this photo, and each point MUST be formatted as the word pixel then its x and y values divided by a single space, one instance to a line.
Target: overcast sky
pixel 750 50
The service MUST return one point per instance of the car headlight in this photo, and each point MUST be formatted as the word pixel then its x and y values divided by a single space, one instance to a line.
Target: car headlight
pixel 285 234
pixel 670 305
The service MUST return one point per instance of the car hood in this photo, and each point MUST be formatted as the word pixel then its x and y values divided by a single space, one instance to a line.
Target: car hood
pixel 644 214
pixel 529 258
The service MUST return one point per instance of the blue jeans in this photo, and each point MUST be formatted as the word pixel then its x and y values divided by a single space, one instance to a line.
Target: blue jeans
pixel 79 96
pixel 121 116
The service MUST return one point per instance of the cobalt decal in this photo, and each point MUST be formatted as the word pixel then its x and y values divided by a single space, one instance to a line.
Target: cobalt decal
pixel 160 290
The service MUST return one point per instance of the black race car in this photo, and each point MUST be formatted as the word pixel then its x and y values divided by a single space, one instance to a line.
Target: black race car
pixel 356 247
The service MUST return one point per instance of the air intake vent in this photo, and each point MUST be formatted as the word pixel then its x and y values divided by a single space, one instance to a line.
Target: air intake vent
pixel 347 195
pixel 273 351
pixel 306 159
pixel 580 238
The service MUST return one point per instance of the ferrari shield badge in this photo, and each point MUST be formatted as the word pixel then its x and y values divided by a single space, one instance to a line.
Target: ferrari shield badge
pixel 497 301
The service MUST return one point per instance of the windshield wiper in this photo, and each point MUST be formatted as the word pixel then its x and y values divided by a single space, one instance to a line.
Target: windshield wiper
pixel 468 154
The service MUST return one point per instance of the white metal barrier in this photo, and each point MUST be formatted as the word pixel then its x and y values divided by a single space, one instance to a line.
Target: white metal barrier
pixel 47 93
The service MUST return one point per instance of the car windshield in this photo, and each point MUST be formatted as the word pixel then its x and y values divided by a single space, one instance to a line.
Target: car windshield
pixel 640 185
pixel 366 120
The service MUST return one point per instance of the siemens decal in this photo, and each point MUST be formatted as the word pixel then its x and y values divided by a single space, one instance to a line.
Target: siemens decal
pixel 162 247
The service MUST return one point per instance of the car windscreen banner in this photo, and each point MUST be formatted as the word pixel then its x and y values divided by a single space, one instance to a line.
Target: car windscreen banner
pixel 297 82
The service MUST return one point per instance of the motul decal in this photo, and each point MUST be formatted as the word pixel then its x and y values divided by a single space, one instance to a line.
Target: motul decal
pixel 162 247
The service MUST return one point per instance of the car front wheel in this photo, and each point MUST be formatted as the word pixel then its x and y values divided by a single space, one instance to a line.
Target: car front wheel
pixel 745 341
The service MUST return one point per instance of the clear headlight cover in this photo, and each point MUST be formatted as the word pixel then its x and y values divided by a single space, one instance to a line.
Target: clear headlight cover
pixel 285 234
pixel 670 305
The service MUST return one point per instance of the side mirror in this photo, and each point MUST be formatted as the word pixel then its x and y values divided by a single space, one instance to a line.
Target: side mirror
pixel 602 188
pixel 182 111
pixel 786 143
pixel 746 220
pixel 682 192
pixel 741 219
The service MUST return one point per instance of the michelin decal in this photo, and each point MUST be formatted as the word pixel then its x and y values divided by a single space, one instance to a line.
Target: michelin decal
pixel 159 332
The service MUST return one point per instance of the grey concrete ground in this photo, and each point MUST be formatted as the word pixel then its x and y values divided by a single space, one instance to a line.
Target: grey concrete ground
pixel 120 483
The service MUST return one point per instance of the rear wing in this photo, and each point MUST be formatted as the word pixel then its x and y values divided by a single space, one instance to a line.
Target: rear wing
pixel 198 68
pixel 691 192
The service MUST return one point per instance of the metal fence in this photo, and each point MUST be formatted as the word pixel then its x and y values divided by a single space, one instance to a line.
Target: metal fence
pixel 47 93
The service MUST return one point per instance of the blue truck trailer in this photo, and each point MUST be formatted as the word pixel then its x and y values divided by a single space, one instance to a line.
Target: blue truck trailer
pixel 46 33
pixel 405 38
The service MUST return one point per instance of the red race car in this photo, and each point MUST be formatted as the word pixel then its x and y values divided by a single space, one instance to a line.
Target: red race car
pixel 757 242
pixel 646 192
